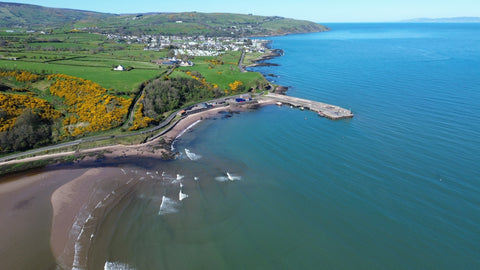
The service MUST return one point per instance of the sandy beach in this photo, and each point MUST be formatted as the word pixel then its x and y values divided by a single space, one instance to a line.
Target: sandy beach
pixel 65 193
pixel 26 215
pixel 73 204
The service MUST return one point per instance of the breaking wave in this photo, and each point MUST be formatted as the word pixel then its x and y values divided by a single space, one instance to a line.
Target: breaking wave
pixel 182 196
pixel 117 266
pixel 183 132
pixel 191 155
pixel 228 177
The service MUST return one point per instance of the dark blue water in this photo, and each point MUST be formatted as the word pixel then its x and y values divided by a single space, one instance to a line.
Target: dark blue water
pixel 396 187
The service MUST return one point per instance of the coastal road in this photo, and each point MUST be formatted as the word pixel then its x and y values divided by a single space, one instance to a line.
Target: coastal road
pixel 163 124
pixel 240 62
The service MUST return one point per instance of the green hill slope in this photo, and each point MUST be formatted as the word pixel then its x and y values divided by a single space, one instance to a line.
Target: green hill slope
pixel 189 23
pixel 194 23
pixel 13 14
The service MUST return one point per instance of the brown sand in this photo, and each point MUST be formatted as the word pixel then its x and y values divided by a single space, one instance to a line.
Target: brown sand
pixel 26 216
pixel 67 202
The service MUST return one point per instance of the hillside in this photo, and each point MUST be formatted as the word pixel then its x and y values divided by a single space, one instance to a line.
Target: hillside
pixel 194 23
pixel 191 23
pixel 22 15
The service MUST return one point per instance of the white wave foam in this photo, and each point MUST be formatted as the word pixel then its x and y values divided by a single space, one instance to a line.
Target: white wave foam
pixel 182 196
pixel 228 177
pixel 117 266
pixel 77 258
pixel 168 206
pixel 183 132
pixel 191 155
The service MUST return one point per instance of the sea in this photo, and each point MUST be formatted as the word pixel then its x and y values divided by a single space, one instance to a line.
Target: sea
pixel 395 187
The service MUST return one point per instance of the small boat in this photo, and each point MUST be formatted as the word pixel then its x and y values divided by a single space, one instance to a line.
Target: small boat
pixel 301 108
pixel 321 114
pixel 279 103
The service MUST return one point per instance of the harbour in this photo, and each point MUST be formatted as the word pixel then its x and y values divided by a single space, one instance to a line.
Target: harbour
pixel 323 109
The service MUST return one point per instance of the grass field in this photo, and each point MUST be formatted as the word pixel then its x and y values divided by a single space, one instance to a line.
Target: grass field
pixel 92 57
pixel 226 73
pixel 122 81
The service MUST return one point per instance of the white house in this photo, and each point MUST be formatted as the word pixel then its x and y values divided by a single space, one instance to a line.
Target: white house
pixel 119 68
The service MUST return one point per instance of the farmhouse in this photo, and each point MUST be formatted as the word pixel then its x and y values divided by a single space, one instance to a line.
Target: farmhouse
pixel 119 68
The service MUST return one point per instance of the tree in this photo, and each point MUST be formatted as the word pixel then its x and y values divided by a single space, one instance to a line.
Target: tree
pixel 29 131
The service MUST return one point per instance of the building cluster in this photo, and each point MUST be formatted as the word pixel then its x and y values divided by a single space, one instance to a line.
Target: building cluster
pixel 193 45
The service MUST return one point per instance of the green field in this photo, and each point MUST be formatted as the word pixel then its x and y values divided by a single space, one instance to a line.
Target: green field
pixel 224 74
pixel 92 57
pixel 105 76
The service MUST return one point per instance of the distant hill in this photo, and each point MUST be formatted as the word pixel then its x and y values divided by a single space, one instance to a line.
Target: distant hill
pixel 446 20
pixel 23 15
pixel 188 23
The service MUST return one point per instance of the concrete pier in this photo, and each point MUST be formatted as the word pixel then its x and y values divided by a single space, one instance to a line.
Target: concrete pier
pixel 326 110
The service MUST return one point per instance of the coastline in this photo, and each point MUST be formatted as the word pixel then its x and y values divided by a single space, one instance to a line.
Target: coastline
pixel 151 149
pixel 72 196
pixel 155 148
pixel 77 205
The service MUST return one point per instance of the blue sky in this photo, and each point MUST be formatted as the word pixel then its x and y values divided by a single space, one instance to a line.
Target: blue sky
pixel 314 10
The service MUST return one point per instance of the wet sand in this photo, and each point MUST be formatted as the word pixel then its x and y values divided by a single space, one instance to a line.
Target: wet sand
pixel 71 200
pixel 26 216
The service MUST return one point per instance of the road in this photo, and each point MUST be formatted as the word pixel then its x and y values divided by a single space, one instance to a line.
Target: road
pixel 240 62
pixel 163 124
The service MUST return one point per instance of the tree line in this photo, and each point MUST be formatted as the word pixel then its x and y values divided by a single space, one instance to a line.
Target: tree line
pixel 168 94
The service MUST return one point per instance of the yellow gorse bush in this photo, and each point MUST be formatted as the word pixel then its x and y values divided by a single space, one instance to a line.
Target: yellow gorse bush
pixel 140 121
pixel 13 105
pixel 234 86
pixel 91 109
pixel 21 76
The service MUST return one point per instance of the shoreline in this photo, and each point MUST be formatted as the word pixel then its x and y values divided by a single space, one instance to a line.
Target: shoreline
pixel 71 198
pixel 77 207
pixel 151 149
pixel 71 230
pixel 74 201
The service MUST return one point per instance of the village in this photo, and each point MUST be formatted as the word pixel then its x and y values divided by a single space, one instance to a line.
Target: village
pixel 193 45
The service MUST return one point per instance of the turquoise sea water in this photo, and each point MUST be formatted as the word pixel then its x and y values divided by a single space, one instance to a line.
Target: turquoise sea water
pixel 396 187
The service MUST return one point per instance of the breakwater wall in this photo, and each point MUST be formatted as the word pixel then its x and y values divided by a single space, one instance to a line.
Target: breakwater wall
pixel 323 109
